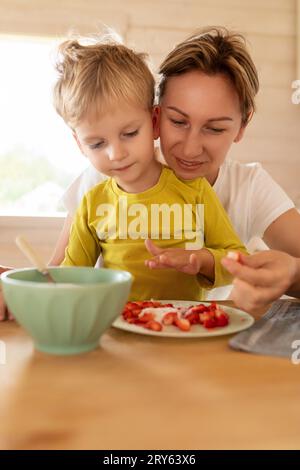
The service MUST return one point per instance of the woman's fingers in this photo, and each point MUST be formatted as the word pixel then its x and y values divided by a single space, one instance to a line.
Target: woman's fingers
pixel 254 300
pixel 252 275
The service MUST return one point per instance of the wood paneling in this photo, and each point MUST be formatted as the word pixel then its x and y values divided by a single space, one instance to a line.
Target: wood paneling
pixel 155 26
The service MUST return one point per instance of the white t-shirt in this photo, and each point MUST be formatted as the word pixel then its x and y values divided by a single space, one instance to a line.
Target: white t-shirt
pixel 252 199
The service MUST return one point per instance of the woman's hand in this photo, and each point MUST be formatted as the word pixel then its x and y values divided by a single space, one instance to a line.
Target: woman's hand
pixel 262 278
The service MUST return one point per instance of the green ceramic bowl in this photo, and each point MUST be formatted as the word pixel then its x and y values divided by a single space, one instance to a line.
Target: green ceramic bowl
pixel 68 317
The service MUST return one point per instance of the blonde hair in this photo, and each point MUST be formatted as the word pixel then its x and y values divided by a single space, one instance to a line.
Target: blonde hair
pixel 99 75
pixel 215 50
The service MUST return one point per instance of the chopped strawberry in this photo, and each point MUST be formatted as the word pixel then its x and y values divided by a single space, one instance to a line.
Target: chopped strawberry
pixel 219 312
pixel 136 311
pixel 132 320
pixel 193 318
pixel 169 318
pixel 199 309
pixel 154 303
pixel 153 325
pixel 146 317
pixel 210 316
pixel 204 317
pixel 210 323
pixel 222 321
pixel 131 305
pixel 183 324
pixel 222 317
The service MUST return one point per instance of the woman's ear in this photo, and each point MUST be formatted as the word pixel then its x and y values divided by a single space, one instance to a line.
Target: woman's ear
pixel 241 132
pixel 78 142
pixel 156 121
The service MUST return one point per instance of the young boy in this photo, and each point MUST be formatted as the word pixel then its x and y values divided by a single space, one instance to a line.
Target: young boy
pixel 105 94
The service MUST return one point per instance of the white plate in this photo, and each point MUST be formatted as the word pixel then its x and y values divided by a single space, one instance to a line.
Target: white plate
pixel 238 321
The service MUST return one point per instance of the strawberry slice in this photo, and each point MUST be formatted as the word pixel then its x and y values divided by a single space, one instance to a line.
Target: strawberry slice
pixel 204 317
pixel 221 317
pixel 213 306
pixel 199 309
pixel 153 325
pixel 183 324
pixel 131 305
pixel 210 323
pixel 169 318
pixel 222 321
pixel 193 318
pixel 146 318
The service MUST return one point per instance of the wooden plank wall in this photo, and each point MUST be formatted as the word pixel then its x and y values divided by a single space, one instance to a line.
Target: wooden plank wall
pixel 270 26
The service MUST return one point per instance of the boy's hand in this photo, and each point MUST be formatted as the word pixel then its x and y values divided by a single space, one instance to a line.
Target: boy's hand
pixel 186 261
pixel 4 312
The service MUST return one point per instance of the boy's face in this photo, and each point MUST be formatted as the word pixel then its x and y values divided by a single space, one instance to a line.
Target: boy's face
pixel 120 144
pixel 198 120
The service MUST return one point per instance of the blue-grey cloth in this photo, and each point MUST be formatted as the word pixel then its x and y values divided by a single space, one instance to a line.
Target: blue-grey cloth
pixel 277 333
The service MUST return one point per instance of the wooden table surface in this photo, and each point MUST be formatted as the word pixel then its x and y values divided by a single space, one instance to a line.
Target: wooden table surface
pixel 142 392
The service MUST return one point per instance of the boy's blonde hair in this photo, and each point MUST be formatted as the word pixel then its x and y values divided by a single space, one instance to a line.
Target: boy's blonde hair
pixel 214 51
pixel 99 75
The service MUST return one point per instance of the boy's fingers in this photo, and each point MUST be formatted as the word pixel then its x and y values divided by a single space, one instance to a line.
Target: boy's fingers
pixel 153 249
pixel 10 316
pixel 166 260
pixel 155 263
pixel 194 262
pixel 2 308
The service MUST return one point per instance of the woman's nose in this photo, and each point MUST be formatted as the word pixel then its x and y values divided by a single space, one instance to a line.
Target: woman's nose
pixel 193 146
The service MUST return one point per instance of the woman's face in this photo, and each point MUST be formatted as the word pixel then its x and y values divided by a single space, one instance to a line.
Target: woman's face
pixel 198 119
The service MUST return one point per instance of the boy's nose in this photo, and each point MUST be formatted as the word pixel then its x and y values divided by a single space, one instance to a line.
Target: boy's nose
pixel 116 152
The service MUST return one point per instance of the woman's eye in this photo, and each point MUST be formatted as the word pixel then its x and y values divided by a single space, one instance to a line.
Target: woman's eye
pixel 215 130
pixel 131 134
pixel 177 122
pixel 96 146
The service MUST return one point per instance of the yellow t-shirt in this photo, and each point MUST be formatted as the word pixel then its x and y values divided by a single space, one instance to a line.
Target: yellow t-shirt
pixel 116 224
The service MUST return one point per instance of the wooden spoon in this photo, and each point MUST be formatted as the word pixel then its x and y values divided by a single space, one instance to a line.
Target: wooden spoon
pixel 33 257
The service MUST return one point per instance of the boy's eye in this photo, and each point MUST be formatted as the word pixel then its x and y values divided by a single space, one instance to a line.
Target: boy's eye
pixel 131 134
pixel 96 146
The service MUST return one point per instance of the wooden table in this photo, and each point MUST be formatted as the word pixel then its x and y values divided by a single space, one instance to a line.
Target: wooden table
pixel 142 392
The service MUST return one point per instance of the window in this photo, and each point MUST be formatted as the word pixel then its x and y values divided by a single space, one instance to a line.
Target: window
pixel 38 155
